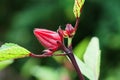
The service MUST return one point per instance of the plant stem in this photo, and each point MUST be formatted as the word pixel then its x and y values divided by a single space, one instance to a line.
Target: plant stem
pixel 43 55
pixel 69 42
pixel 76 24
pixel 69 53
pixel 72 58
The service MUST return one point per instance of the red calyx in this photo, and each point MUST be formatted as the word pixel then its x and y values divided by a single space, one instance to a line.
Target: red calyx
pixel 48 38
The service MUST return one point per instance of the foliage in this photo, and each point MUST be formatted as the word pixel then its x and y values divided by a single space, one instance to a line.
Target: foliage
pixel 19 17
pixel 5 63
pixel 12 51
pixel 90 66
pixel 78 7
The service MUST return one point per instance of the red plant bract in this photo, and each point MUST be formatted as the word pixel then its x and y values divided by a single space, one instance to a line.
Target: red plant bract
pixel 48 38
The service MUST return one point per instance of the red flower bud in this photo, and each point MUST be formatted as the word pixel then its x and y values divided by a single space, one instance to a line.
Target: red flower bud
pixel 70 31
pixel 48 38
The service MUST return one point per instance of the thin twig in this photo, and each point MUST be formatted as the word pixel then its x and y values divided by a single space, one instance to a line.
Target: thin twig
pixel 76 24
pixel 44 55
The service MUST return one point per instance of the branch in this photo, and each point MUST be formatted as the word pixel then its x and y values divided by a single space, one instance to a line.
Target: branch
pixel 77 23
pixel 44 55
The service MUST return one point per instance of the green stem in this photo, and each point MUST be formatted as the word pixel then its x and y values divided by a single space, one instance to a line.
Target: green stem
pixel 69 41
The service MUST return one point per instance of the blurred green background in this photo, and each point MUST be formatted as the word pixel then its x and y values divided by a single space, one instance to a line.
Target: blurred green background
pixel 100 18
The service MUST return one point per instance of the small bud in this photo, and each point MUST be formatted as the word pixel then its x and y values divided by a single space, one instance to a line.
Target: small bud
pixel 48 38
pixel 61 32
pixel 69 30
pixel 78 7
pixel 48 52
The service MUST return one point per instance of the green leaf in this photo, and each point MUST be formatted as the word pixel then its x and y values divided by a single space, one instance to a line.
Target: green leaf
pixel 79 50
pixel 92 57
pixel 5 63
pixel 12 51
pixel 48 73
pixel 78 7
pixel 28 66
pixel 85 69
pixel 42 71
pixel 91 65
